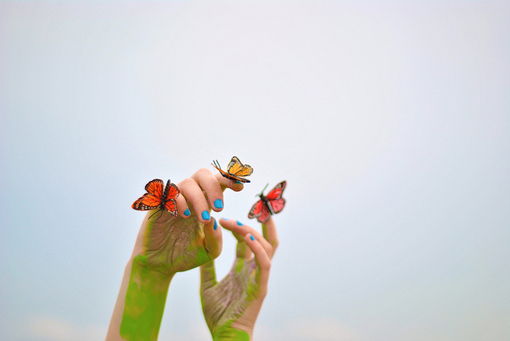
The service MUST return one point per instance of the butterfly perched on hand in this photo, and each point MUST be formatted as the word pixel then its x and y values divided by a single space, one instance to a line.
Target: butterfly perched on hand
pixel 157 198
pixel 269 204
pixel 235 170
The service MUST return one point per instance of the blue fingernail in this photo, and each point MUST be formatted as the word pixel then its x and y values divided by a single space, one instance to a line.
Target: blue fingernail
pixel 238 182
pixel 187 212
pixel 218 203
pixel 215 225
pixel 252 237
pixel 205 215
pixel 224 218
pixel 239 223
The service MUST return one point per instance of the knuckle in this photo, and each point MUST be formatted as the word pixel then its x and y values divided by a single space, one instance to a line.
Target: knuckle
pixel 186 182
pixel 203 171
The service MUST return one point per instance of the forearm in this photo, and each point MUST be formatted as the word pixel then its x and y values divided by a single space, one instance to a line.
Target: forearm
pixel 139 309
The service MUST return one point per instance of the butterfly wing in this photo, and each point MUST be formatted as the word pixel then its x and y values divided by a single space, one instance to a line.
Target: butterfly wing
pixel 277 191
pixel 171 193
pixel 260 211
pixel 277 205
pixel 236 167
pixel 151 199
pixel 256 209
pixel 265 214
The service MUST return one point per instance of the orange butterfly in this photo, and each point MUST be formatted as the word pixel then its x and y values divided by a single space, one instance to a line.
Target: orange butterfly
pixel 156 198
pixel 235 170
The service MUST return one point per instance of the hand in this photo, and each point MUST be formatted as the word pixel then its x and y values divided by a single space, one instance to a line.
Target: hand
pixel 191 239
pixel 231 306
pixel 164 246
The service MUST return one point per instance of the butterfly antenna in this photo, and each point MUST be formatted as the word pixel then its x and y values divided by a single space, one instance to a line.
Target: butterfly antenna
pixel 216 164
pixel 262 193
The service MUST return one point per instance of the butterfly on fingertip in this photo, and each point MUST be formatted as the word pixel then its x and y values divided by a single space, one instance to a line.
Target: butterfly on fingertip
pixel 236 170
pixel 157 198
pixel 269 204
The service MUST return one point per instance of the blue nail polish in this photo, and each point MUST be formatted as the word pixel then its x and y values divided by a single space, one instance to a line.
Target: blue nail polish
pixel 224 218
pixel 252 237
pixel 187 212
pixel 218 203
pixel 238 182
pixel 205 215
pixel 239 223
pixel 215 225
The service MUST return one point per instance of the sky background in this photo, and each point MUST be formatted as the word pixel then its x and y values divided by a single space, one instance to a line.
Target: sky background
pixel 390 122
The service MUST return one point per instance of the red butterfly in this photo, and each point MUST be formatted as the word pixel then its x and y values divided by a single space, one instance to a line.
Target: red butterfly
pixel 235 170
pixel 156 198
pixel 270 204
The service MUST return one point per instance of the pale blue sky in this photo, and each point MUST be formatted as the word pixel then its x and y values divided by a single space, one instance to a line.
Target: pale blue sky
pixel 389 120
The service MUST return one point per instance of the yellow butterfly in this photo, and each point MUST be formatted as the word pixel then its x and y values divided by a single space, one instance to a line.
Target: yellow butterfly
pixel 235 170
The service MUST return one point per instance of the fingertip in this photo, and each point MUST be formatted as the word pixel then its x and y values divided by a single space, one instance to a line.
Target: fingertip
pixel 218 205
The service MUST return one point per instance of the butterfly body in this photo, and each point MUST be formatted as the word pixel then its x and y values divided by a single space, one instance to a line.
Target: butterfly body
pixel 236 170
pixel 157 198
pixel 269 204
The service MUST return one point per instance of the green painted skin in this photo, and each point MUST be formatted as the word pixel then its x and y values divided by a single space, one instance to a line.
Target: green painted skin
pixel 224 302
pixel 227 332
pixel 170 245
pixel 145 302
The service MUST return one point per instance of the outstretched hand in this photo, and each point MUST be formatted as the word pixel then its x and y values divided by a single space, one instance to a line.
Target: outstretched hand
pixel 170 244
pixel 166 245
pixel 231 306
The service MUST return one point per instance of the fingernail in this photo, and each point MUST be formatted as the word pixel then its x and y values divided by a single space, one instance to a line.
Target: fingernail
pixel 252 237
pixel 239 223
pixel 187 212
pixel 238 182
pixel 224 218
pixel 218 203
pixel 205 215
pixel 215 225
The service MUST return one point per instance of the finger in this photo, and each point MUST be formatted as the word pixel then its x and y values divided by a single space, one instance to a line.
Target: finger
pixel 269 232
pixel 243 230
pixel 207 276
pixel 234 185
pixel 212 188
pixel 192 192
pixel 262 259
pixel 213 239
pixel 242 250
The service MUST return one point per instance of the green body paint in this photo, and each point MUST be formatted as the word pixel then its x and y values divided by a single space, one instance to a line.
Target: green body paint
pixel 224 302
pixel 145 302
pixel 170 245
pixel 227 333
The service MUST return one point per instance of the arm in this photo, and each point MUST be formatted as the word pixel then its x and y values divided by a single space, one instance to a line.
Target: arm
pixel 166 245
pixel 232 305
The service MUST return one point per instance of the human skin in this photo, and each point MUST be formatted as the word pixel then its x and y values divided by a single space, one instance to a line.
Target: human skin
pixel 166 245
pixel 232 305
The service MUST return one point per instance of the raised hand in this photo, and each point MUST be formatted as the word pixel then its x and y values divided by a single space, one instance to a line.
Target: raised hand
pixel 231 306
pixel 166 245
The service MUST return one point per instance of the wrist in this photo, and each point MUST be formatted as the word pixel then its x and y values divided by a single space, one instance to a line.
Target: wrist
pixel 144 302
pixel 228 333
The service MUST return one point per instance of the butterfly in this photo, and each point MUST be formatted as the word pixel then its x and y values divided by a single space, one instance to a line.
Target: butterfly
pixel 157 198
pixel 235 170
pixel 269 204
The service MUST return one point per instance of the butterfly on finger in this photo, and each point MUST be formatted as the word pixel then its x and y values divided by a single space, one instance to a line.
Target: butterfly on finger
pixel 235 170
pixel 157 198
pixel 269 204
